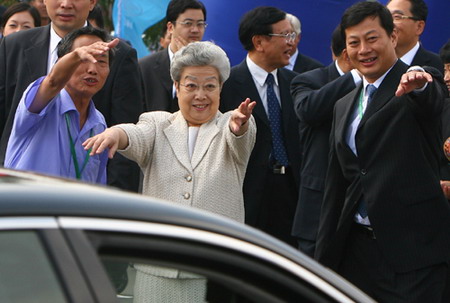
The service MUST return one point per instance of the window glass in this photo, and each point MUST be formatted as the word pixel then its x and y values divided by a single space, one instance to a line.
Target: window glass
pixel 26 273
pixel 138 282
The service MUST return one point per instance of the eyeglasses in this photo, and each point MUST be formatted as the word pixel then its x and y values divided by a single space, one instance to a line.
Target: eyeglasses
pixel 190 24
pixel 289 37
pixel 192 87
pixel 398 17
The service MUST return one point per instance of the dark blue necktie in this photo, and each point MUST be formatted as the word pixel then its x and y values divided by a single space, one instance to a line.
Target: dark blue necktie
pixel 362 207
pixel 278 148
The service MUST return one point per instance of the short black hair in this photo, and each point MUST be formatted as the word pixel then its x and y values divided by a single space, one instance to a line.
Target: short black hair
pixel 359 11
pixel 97 14
pixel 337 41
pixel 419 9
pixel 66 44
pixel 258 21
pixel 444 53
pixel 177 7
pixel 18 8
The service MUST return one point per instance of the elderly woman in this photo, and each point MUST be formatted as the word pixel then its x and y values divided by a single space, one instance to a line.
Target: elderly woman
pixel 195 157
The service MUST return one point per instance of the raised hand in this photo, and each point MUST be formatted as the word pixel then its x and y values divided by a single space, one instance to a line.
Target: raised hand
pixel 89 52
pixel 178 43
pixel 240 116
pixel 412 80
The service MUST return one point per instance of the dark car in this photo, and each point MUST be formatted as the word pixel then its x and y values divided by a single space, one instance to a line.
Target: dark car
pixel 63 241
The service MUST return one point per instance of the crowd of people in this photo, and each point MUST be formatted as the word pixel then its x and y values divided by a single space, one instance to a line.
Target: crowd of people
pixel 347 162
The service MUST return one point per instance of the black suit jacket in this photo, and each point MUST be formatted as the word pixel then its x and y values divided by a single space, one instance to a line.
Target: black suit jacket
pixel 157 83
pixel 23 59
pixel 315 94
pixel 427 58
pixel 237 88
pixel 397 172
pixel 303 63
pixel 445 171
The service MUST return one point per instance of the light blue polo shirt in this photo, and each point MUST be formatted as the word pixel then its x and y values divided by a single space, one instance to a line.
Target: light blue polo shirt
pixel 41 143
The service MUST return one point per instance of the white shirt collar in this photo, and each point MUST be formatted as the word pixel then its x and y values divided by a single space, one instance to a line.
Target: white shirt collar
pixel 379 80
pixel 338 68
pixel 54 40
pixel 409 56
pixel 170 54
pixel 258 73
pixel 292 60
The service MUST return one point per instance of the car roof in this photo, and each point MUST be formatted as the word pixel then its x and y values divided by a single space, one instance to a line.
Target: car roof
pixel 31 194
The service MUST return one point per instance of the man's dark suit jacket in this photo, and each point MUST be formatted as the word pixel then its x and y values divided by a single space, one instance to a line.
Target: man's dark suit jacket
pixel 445 171
pixel 23 59
pixel 427 58
pixel 315 94
pixel 236 89
pixel 303 63
pixel 157 83
pixel 397 171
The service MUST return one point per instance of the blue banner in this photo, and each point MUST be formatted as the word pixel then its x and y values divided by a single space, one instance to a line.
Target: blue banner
pixel 132 17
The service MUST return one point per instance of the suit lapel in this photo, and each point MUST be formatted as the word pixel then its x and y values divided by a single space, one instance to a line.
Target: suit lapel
pixel 162 67
pixel 344 113
pixel 248 89
pixel 177 134
pixel 36 56
pixel 206 134
pixel 385 92
pixel 285 95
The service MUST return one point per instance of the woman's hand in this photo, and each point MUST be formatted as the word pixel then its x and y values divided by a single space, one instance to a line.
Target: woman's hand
pixel 240 116
pixel 111 138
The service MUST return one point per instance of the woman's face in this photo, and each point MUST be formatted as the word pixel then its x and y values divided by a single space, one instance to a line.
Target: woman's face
pixel 18 22
pixel 198 94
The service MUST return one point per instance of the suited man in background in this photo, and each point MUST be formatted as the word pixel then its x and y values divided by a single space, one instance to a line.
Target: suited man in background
pixel 298 62
pixel 314 94
pixel 186 22
pixel 28 55
pixel 410 17
pixel 272 177
pixel 385 222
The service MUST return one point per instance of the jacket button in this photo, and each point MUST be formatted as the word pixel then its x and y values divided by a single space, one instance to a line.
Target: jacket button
pixel 363 171
pixel 188 178
pixel 186 195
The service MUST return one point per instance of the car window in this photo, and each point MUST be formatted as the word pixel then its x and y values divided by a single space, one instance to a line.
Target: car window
pixel 26 273
pixel 143 282
pixel 150 269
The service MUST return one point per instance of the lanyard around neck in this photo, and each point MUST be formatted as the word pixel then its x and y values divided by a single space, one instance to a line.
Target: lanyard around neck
pixel 360 104
pixel 78 172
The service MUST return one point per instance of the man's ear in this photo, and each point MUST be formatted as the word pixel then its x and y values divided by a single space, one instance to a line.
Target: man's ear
pixel 420 27
pixel 92 5
pixel 170 28
pixel 257 41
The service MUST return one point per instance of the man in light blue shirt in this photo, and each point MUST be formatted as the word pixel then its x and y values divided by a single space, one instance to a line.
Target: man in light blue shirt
pixel 56 113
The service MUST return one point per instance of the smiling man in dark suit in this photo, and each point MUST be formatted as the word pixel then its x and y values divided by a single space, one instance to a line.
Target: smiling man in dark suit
pixel 28 55
pixel 186 22
pixel 315 93
pixel 410 17
pixel 385 222
pixel 272 178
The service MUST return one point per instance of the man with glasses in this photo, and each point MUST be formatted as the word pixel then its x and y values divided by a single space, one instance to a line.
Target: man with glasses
pixel 299 62
pixel 272 177
pixel 186 22
pixel 410 17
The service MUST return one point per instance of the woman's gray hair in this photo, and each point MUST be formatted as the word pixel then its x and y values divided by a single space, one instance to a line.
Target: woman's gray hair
pixel 201 53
